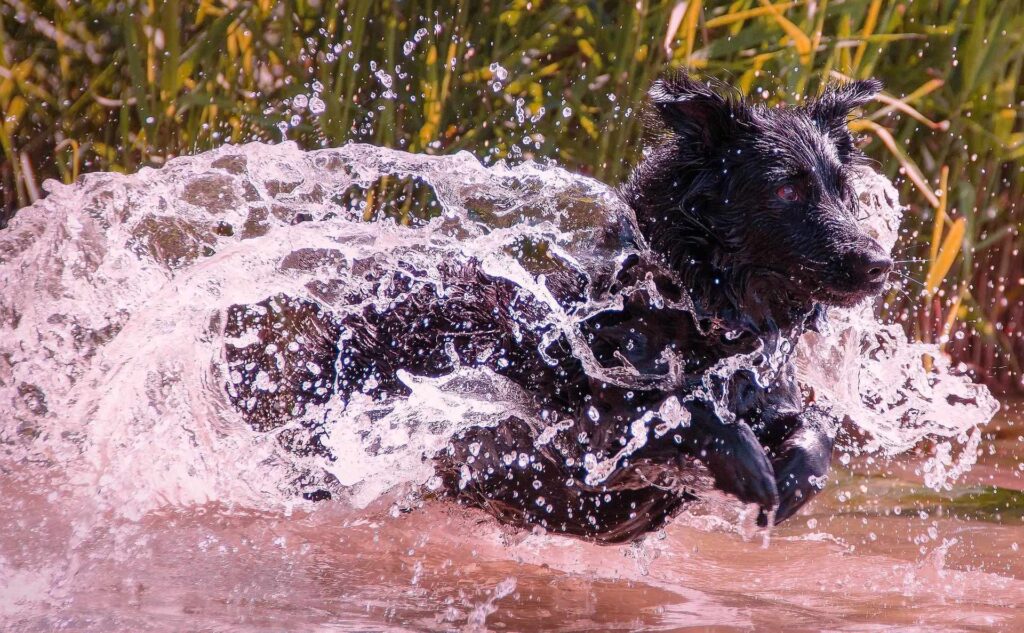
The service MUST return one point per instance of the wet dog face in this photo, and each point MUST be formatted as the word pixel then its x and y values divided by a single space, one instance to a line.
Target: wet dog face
pixel 772 187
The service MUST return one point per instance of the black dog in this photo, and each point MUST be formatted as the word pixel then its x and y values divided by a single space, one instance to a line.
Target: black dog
pixel 750 219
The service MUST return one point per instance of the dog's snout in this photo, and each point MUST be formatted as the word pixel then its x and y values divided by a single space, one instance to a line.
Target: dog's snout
pixel 878 268
pixel 869 265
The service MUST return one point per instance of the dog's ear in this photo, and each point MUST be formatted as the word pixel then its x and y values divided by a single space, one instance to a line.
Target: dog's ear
pixel 835 104
pixel 693 110
pixel 831 110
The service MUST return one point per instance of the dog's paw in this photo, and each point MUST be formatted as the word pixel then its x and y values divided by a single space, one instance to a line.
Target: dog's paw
pixel 740 466
pixel 799 475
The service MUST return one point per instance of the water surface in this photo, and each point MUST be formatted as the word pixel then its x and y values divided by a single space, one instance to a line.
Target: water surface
pixel 877 549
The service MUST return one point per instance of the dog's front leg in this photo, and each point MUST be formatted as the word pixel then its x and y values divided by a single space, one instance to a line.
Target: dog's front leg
pixel 801 458
pixel 733 455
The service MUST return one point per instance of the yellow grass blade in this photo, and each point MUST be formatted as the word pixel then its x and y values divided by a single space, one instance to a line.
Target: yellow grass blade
pixel 747 80
pixel 674 20
pixel 588 49
pixel 588 126
pixel 693 11
pixel 940 215
pixel 820 27
pixel 682 23
pixel 75 158
pixel 909 166
pixel 899 104
pixel 947 255
pixel 12 116
pixel 28 176
pixel 928 87
pixel 870 22
pixel 742 16
pixel 800 39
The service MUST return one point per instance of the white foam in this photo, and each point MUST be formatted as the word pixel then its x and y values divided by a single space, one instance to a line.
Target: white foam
pixel 113 293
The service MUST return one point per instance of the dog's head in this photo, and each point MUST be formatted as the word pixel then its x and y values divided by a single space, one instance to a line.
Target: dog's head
pixel 771 187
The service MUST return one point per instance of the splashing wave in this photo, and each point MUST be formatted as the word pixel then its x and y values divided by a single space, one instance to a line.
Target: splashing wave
pixel 116 292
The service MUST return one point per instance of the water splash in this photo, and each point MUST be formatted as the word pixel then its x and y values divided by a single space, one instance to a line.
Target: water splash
pixel 115 295
pixel 478 616
pixel 871 374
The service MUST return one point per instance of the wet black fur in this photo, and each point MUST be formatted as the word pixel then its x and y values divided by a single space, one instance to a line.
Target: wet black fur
pixel 706 195
pixel 759 268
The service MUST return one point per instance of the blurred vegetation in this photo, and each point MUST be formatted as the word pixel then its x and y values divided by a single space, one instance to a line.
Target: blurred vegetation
pixel 116 85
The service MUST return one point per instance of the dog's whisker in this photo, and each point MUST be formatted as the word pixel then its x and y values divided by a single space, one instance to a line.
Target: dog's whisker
pixel 906 296
pixel 906 277
pixel 899 249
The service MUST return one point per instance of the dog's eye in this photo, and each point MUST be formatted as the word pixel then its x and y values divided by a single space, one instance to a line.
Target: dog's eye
pixel 788 193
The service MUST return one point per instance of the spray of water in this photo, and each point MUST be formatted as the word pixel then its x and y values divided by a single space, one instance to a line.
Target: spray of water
pixel 116 292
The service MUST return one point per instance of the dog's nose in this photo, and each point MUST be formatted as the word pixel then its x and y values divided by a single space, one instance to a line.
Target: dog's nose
pixel 870 265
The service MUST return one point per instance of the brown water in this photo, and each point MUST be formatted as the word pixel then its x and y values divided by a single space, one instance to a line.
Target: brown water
pixel 876 551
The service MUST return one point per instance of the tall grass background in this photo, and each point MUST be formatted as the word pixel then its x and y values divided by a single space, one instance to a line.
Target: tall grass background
pixel 117 85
